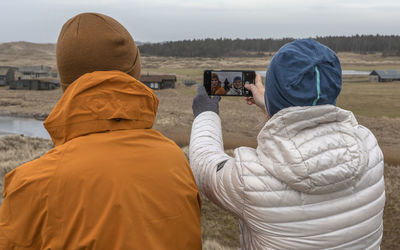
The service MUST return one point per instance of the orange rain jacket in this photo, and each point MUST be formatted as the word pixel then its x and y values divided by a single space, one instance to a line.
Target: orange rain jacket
pixel 111 182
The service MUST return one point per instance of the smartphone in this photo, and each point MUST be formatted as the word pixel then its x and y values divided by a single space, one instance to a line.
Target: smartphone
pixel 228 82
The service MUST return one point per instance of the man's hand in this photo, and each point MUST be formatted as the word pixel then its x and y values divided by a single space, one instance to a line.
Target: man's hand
pixel 202 102
pixel 258 94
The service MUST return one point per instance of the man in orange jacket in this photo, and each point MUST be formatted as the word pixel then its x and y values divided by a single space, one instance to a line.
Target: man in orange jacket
pixel 111 181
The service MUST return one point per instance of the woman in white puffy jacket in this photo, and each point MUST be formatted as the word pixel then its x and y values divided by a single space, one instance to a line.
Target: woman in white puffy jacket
pixel 315 180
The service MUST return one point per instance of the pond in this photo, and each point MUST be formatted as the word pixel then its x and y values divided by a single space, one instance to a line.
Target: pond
pixel 22 126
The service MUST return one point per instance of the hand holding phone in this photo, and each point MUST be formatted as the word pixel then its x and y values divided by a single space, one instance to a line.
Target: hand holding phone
pixel 258 91
pixel 228 82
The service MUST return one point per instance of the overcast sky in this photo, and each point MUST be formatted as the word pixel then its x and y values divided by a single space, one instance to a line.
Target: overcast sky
pixel 156 20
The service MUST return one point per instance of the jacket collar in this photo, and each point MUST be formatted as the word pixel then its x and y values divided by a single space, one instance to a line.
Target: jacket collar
pixel 101 101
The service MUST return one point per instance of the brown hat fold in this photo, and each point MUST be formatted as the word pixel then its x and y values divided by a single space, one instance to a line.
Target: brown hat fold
pixel 92 42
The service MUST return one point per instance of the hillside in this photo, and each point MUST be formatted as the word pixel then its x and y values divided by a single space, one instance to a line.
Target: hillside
pixel 25 53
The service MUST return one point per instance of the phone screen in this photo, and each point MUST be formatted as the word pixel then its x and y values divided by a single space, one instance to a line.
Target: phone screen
pixel 228 82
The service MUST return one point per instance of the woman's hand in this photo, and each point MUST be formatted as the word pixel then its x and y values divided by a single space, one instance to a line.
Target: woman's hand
pixel 258 91
pixel 202 102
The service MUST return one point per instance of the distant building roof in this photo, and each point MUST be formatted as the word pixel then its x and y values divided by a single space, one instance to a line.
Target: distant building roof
pixel 387 74
pixel 41 79
pixel 4 70
pixel 48 79
pixel 35 69
pixel 157 78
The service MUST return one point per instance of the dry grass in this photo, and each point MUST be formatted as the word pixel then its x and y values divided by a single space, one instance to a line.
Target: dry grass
pixel 391 157
pixel 214 245
pixel 16 150
pixel 218 225
pixel 387 132
pixel 391 215
pixel 28 103
pixel 368 61
pixel 371 99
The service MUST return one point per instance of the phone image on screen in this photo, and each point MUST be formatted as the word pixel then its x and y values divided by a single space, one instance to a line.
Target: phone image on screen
pixel 228 82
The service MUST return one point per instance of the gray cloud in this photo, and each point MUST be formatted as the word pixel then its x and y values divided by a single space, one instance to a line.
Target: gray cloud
pixel 41 20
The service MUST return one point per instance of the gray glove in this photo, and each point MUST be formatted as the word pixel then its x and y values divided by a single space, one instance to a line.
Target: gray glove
pixel 202 102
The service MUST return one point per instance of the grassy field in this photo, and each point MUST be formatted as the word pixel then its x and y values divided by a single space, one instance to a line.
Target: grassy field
pixel 371 99
pixel 376 106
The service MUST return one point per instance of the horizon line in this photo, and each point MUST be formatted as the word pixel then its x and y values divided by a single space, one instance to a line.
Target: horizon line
pixel 217 38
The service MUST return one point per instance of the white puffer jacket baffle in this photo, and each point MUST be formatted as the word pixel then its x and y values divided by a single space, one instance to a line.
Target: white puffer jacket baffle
pixel 315 180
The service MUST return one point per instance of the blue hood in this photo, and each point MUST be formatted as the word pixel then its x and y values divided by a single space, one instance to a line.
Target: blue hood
pixel 302 73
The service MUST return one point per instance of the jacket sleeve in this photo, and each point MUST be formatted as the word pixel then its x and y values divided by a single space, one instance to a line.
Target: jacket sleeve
pixel 217 174
pixel 22 212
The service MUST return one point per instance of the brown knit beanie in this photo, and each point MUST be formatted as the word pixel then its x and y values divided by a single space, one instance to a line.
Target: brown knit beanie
pixel 94 42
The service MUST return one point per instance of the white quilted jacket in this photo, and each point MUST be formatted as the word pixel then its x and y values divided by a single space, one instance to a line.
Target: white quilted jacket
pixel 315 180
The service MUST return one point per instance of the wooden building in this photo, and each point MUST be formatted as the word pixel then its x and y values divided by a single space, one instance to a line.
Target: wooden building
pixel 32 72
pixel 35 84
pixel 384 75
pixel 7 75
pixel 159 81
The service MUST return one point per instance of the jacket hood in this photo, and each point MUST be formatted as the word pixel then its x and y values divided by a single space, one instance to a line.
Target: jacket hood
pixel 314 150
pixel 101 101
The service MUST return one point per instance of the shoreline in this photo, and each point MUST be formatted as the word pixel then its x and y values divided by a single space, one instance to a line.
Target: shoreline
pixel 36 116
